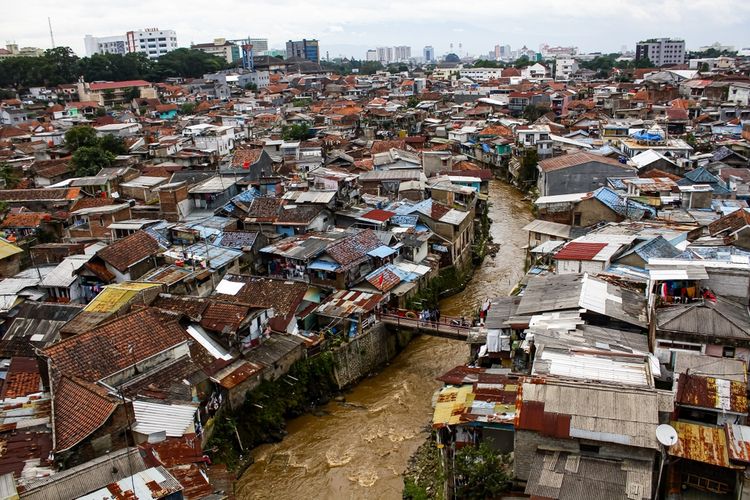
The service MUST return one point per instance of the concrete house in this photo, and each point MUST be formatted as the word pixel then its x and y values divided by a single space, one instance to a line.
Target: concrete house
pixel 578 173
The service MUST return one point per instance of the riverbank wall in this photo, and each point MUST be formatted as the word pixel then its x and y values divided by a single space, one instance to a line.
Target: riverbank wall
pixel 367 354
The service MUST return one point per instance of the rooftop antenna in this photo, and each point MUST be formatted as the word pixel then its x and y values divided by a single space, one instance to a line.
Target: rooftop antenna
pixel 51 35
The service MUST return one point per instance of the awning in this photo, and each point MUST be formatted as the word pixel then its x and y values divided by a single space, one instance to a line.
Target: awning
pixel 673 274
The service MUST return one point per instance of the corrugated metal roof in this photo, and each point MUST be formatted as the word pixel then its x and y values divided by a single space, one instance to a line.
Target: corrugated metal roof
pixel 113 297
pixel 153 483
pixel 570 476
pixel 738 441
pixel 88 476
pixel 549 228
pixel 176 420
pixel 8 249
pixel 344 303
pixel 700 443
pixel 608 414
pixel 580 251
pixel 713 393
pixel 63 274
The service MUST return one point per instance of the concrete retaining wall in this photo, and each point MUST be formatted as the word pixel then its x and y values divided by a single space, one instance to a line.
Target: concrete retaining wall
pixel 367 353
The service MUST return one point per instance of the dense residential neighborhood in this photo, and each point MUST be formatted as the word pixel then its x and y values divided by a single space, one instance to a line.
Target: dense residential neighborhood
pixel 186 260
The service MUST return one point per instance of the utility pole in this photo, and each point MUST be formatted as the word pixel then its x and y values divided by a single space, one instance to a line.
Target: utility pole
pixel 51 35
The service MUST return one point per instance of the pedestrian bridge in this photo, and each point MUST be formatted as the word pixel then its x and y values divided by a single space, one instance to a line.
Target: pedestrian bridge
pixel 447 327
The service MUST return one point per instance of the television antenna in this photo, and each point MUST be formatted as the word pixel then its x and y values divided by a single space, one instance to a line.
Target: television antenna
pixel 51 35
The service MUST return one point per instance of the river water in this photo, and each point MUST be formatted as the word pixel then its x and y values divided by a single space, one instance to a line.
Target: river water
pixel 358 449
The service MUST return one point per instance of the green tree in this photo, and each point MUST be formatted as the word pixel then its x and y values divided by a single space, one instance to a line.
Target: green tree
pixel 113 144
pixel 483 473
pixel 533 112
pixel 59 65
pixel 529 162
pixel 88 160
pixel 187 108
pixel 9 175
pixel 295 132
pixel 412 101
pixel 132 93
pixel 704 68
pixel 643 63
pixel 187 63
pixel 484 63
pixel 80 136
pixel 252 87
pixel 522 62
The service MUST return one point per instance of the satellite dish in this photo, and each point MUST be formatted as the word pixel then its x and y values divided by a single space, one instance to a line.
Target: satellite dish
pixel 666 435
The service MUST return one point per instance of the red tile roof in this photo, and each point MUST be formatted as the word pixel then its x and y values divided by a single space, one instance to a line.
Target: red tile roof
pixel 384 280
pixel 115 345
pixel 579 251
pixel 119 85
pixel 80 408
pixel 349 252
pixel 54 194
pixel 130 250
pixel 438 210
pixel 24 220
pixel 22 378
pixel 379 215
pixel 245 157
pixel 223 317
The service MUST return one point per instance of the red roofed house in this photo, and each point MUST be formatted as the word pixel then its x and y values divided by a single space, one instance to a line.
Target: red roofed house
pixel 89 414
pixel 111 93
pixel 585 257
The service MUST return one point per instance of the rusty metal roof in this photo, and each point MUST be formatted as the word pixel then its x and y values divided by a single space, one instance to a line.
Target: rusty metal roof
pixel 738 442
pixel 344 303
pixel 701 443
pixel 713 393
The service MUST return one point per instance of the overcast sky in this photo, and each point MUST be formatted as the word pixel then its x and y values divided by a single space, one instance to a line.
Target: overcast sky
pixel 349 27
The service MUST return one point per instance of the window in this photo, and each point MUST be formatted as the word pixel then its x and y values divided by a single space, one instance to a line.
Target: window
pixel 728 352
pixel 588 448
pixel 577 219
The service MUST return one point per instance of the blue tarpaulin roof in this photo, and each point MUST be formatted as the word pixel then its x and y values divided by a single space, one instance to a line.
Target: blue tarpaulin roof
pixel 381 252
pixel 486 148
pixel 323 265
pixel 643 135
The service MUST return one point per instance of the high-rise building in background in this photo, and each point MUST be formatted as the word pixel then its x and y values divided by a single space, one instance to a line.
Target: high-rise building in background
pixel 429 53
pixel 661 51
pixel 116 44
pixel 496 53
pixel 385 55
pixel 153 42
pixel 305 49
pixel 372 55
pixel 260 45
pixel 401 53
pixel 220 47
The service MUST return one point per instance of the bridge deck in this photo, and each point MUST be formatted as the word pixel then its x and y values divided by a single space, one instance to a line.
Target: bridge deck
pixel 442 328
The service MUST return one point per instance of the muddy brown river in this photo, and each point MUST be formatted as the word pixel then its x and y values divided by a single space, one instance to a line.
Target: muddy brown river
pixel 359 449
